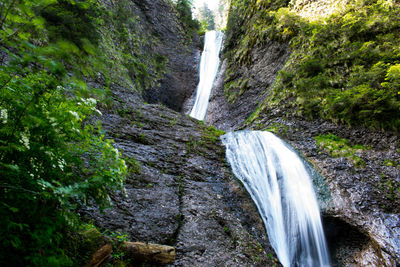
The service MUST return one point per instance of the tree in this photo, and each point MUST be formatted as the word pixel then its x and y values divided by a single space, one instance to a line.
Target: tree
pixel 184 8
pixel 207 18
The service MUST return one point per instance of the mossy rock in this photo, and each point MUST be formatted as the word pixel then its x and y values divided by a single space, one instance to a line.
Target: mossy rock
pixel 92 238
pixel 90 241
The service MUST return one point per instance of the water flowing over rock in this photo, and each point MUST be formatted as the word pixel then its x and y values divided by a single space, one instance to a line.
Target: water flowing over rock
pixel 360 204
pixel 281 187
pixel 208 70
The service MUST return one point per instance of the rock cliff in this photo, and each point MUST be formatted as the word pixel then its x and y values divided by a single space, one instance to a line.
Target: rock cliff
pixel 180 191
pixel 151 42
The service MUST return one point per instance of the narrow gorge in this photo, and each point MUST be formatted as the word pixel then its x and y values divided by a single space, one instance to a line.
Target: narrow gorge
pixel 273 141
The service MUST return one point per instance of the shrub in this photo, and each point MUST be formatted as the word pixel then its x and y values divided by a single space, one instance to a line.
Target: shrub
pixel 51 158
pixel 74 21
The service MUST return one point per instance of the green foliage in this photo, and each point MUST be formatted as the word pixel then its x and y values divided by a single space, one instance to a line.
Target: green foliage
pixel 277 128
pixel 50 161
pixel 345 79
pixel 51 158
pixel 135 62
pixel 234 88
pixel 133 166
pixel 191 26
pixel 212 134
pixel 74 21
pixel 340 147
pixel 344 68
pixel 83 243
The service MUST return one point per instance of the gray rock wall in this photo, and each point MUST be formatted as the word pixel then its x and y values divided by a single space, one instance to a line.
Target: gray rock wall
pixel 161 39
pixel 183 53
pixel 267 62
pixel 183 194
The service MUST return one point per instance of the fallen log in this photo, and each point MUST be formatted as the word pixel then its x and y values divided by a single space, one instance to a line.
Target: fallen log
pixel 148 252
pixel 100 255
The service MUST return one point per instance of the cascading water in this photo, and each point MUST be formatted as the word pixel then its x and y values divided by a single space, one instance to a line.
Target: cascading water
pixel 279 184
pixel 208 71
pixel 274 176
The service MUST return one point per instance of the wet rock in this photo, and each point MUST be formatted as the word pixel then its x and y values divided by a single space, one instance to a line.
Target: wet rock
pixel 165 45
pixel 267 62
pixel 364 196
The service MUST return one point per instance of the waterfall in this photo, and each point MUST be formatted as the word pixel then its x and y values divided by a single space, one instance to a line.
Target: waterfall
pixel 208 71
pixel 281 187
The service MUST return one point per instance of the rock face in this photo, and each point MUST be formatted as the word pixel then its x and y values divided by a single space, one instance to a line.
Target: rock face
pixel 182 52
pixel 357 200
pixel 158 52
pixel 267 61
pixel 180 191
pixel 183 194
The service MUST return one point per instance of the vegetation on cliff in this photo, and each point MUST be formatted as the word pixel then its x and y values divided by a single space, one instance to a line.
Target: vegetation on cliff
pixel 53 155
pixel 344 67
pixel 184 8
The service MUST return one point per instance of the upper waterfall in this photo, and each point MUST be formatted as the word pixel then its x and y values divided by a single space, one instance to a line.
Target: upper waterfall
pixel 281 187
pixel 208 71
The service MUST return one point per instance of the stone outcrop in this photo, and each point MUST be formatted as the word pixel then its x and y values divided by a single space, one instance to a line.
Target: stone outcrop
pixel 267 62
pixel 180 191
pixel 166 56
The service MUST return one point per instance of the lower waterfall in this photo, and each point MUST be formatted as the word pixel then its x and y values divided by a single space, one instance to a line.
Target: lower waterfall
pixel 281 187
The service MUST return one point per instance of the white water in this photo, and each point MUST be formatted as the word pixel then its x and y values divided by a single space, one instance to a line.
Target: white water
pixel 279 184
pixel 208 71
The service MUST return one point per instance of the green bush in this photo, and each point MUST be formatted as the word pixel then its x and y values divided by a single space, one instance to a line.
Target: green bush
pixel 51 158
pixel 340 147
pixel 74 21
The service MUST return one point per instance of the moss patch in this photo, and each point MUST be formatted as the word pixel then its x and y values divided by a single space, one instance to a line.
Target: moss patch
pixel 340 147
